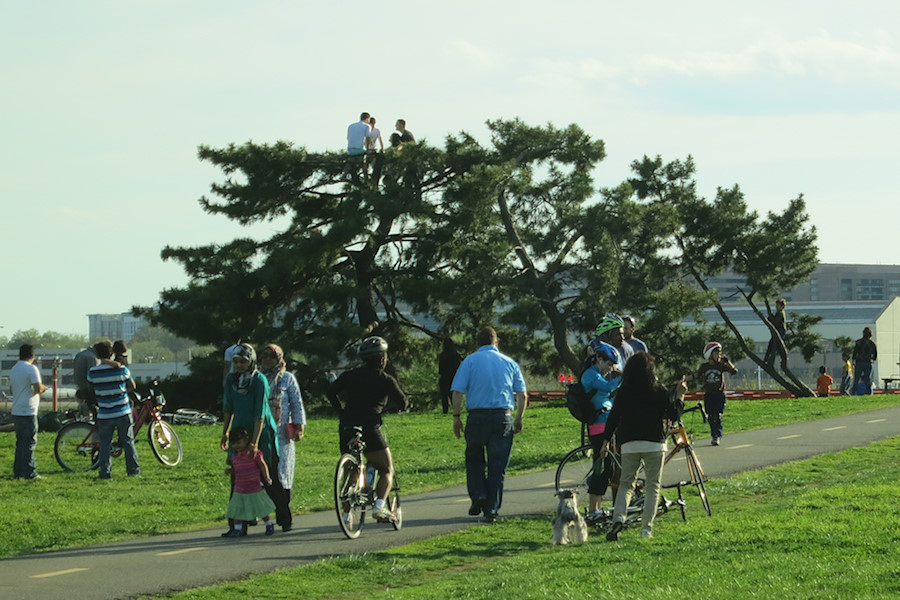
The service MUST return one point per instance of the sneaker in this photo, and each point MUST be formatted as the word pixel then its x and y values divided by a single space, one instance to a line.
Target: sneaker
pixel 715 441
pixel 270 528
pixel 613 534
pixel 595 517
pixel 489 518
pixel 286 528
pixel 476 507
pixel 382 515
pixel 646 533
pixel 235 533
pixel 348 519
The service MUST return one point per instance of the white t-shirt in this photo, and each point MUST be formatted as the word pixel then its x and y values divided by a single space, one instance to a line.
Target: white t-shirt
pixel 372 139
pixel 21 377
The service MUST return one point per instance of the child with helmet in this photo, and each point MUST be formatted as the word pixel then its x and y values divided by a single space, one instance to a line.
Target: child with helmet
pixel 601 379
pixel 366 391
pixel 712 374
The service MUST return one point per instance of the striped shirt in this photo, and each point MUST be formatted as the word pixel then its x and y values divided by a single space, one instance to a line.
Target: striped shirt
pixel 111 388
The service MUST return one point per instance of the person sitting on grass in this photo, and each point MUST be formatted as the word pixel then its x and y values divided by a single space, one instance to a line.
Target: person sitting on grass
pixel 823 383
pixel 249 499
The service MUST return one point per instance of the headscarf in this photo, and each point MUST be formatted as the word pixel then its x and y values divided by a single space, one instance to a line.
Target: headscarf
pixel 273 374
pixel 242 381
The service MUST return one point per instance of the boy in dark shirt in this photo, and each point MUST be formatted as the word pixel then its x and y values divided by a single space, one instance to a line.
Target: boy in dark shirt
pixel 712 374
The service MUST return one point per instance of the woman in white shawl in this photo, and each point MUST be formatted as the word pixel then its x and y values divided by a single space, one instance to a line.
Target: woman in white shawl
pixel 286 405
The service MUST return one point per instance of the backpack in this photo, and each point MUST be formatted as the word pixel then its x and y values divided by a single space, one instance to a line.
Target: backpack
pixel 578 401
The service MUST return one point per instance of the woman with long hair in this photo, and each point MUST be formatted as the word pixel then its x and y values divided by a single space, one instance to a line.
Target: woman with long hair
pixel 638 418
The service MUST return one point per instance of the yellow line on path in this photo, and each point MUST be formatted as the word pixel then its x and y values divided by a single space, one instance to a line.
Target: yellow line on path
pixel 55 573
pixel 877 421
pixel 835 428
pixel 787 437
pixel 174 552
pixel 740 446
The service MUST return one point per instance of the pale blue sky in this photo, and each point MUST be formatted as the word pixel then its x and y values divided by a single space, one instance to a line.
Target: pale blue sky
pixel 105 102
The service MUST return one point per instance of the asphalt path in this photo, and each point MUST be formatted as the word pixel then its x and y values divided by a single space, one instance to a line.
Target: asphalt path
pixel 172 562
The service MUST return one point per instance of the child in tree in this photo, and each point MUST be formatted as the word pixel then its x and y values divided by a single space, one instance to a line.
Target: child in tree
pixel 823 383
pixel 251 474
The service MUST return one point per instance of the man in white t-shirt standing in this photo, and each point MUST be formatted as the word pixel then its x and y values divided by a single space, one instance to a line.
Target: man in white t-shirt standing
pixel 25 380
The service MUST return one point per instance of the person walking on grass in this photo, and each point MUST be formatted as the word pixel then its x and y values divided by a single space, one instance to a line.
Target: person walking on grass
pixel 493 387
pixel 25 381
pixel 250 473
pixel 638 419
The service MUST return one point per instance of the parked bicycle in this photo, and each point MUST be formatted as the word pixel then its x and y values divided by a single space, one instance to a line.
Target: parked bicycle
pixel 577 467
pixel 354 489
pixel 77 446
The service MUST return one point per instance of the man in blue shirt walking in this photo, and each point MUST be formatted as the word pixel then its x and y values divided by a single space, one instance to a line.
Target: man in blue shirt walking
pixel 494 388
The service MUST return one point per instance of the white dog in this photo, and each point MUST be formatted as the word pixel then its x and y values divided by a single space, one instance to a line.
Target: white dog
pixel 568 524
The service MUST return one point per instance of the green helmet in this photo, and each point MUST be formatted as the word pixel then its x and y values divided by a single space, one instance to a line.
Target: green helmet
pixel 610 321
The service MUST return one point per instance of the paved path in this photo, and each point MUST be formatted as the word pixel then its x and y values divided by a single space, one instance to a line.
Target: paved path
pixel 186 560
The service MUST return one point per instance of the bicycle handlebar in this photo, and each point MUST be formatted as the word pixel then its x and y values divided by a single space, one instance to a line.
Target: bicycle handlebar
pixel 698 406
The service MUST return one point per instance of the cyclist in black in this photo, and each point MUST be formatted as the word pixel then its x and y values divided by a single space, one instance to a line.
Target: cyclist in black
pixel 366 392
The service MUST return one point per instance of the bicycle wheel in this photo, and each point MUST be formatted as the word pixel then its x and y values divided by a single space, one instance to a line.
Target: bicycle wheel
pixel 697 477
pixel 349 500
pixel 575 470
pixel 77 447
pixel 165 443
pixel 393 502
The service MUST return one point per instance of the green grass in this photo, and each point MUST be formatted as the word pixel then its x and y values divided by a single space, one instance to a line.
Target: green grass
pixel 818 529
pixel 64 510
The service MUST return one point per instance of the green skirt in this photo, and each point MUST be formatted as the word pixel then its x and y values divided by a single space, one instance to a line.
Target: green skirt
pixel 246 507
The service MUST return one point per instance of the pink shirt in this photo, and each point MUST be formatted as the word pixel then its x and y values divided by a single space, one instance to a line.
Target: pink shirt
pixel 247 472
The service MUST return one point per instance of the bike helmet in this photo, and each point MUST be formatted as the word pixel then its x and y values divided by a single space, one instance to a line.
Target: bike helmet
pixel 610 321
pixel 708 349
pixel 605 351
pixel 372 346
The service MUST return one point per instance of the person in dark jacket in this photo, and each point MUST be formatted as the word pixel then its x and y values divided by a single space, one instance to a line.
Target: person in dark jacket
pixel 638 419
pixel 448 364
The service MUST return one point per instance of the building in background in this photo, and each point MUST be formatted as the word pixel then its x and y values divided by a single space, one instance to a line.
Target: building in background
pixel 120 326
pixel 46 357
pixel 828 283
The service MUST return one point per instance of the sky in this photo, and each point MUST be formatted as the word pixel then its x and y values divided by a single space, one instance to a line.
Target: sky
pixel 104 104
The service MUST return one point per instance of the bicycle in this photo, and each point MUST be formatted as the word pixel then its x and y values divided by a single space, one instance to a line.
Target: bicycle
pixel 577 467
pixel 77 446
pixel 354 490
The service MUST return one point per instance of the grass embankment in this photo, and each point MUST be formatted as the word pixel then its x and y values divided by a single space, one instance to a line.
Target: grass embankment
pixel 821 528
pixel 74 509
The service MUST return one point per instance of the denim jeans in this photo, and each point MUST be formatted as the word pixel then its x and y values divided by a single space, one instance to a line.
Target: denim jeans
pixel 714 403
pixel 26 440
pixel 490 434
pixel 125 428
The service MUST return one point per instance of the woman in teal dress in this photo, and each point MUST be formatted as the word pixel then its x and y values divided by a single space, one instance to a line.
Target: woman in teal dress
pixel 246 404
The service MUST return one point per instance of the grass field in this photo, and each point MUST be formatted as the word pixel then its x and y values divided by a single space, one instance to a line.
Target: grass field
pixel 823 528
pixel 74 509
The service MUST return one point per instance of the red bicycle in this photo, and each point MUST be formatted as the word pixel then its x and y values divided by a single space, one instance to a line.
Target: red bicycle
pixel 77 445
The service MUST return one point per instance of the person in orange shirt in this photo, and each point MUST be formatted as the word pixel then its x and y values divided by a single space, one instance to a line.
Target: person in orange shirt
pixel 823 383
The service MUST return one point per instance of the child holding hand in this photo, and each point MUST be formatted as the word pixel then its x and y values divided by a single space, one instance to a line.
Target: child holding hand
pixel 251 474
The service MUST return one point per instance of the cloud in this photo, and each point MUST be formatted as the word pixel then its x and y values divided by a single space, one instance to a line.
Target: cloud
pixel 473 56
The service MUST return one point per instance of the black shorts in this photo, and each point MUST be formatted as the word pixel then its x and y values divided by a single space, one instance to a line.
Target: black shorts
pixel 372 436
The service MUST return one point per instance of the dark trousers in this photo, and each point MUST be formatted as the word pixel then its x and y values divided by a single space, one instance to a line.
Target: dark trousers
pixel 489 440
pixel 26 441
pixel 714 403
